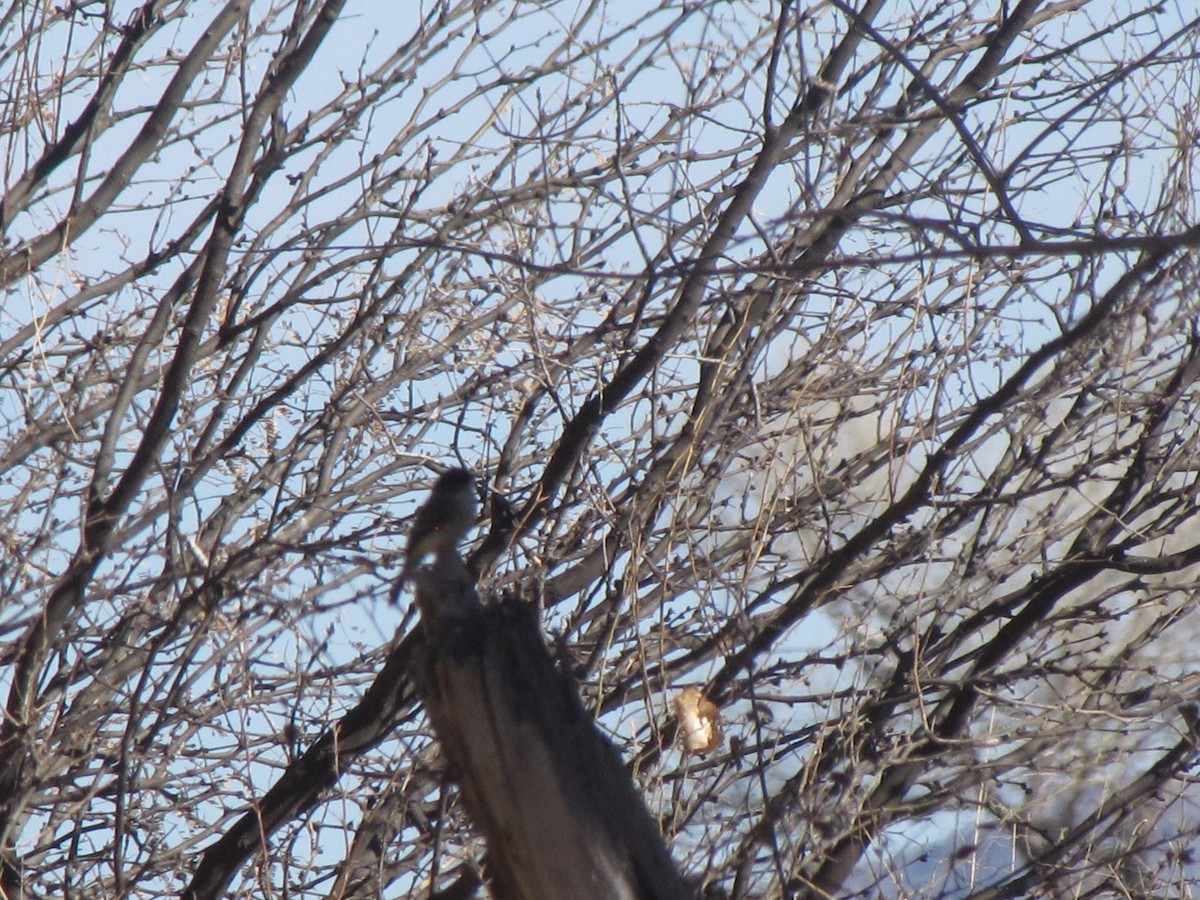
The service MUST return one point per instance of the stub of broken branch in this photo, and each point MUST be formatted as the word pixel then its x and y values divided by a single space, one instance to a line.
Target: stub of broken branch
pixel 699 722
pixel 558 809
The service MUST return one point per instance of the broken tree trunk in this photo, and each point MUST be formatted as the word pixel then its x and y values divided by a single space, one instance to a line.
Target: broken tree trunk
pixel 556 806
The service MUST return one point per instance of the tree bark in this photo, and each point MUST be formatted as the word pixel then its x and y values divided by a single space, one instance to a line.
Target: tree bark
pixel 557 807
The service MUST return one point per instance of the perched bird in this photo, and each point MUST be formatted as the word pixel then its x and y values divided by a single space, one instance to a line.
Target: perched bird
pixel 443 521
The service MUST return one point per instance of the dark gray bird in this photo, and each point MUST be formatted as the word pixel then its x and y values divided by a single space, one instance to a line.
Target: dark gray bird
pixel 443 521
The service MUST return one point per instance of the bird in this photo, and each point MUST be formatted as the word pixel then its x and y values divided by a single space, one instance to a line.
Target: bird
pixel 443 521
